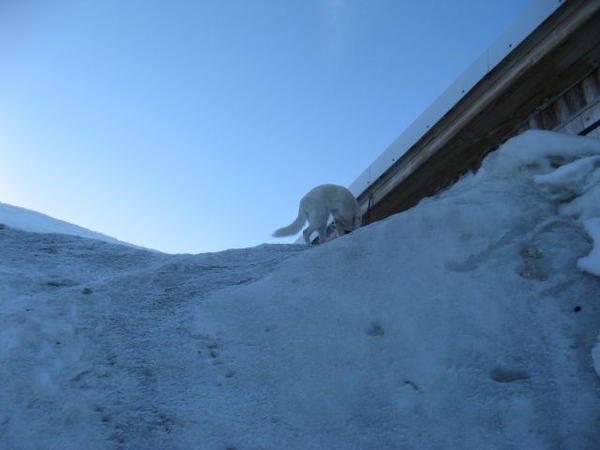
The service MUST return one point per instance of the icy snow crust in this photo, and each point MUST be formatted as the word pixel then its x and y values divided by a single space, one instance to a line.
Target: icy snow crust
pixel 463 323
pixel 27 220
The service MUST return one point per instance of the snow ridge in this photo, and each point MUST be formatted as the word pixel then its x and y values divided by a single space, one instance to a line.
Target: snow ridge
pixel 465 322
pixel 27 220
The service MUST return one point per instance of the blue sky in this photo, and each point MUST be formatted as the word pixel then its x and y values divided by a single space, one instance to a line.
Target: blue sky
pixel 195 126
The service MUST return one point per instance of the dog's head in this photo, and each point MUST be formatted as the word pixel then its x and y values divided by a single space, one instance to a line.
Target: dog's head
pixel 347 226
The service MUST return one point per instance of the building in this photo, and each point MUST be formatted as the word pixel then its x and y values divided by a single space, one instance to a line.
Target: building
pixel 543 73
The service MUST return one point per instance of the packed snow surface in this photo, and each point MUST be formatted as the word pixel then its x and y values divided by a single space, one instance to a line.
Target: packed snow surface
pixel 27 220
pixel 467 322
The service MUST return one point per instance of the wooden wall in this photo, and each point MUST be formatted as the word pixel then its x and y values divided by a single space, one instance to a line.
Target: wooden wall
pixel 577 111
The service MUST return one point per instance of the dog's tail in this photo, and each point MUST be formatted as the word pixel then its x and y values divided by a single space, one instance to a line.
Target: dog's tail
pixel 294 227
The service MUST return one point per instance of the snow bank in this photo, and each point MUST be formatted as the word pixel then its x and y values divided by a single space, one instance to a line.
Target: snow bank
pixel 464 322
pixel 567 168
pixel 591 262
pixel 596 356
pixel 538 152
pixel 27 220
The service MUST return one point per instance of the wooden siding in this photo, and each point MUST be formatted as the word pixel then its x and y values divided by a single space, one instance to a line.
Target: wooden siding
pixel 575 112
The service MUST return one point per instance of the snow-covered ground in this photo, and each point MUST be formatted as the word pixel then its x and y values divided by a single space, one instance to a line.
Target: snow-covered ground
pixel 25 219
pixel 467 322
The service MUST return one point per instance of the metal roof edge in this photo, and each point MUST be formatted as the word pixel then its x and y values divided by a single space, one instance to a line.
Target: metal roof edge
pixel 525 24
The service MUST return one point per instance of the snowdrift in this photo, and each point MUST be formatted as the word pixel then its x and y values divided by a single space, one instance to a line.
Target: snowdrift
pixel 27 220
pixel 469 321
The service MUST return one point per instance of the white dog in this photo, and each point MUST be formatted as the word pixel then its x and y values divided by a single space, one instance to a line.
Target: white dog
pixel 316 207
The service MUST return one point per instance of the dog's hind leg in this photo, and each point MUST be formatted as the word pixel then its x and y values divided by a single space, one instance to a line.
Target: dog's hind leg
pixel 306 233
pixel 321 230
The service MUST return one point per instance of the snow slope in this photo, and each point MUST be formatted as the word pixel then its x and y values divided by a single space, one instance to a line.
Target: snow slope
pixel 467 322
pixel 27 220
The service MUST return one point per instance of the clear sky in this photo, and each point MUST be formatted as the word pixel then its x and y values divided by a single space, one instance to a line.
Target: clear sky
pixel 196 125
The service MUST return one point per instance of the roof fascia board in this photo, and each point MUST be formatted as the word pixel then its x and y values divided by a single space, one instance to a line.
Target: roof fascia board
pixel 533 17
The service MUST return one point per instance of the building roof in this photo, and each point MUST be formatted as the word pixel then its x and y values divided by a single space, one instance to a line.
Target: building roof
pixel 548 51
